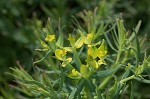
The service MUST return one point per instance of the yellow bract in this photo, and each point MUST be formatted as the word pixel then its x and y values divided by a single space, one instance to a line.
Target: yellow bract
pixel 94 64
pixel 80 41
pixel 44 45
pixel 97 52
pixel 69 59
pixel 50 38
pixel 102 50
pixel 60 54
pixel 84 70
pixel 84 39
pixel 100 62
pixel 66 61
pixel 75 72
pixel 71 39
pixel 87 39
pixel 92 51
pixel 68 49
pixel 90 37
pixel 101 54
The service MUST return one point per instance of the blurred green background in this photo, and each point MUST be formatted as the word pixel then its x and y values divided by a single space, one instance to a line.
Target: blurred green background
pixel 20 18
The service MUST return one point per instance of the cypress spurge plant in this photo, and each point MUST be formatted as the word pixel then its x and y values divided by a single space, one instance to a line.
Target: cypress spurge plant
pixel 95 62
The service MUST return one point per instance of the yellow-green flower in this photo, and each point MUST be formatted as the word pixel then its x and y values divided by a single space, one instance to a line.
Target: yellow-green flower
pixel 80 41
pixel 102 50
pixel 44 45
pixel 94 64
pixel 75 72
pixel 65 62
pixel 97 52
pixel 90 36
pixel 50 38
pixel 69 59
pixel 73 43
pixel 100 62
pixel 71 39
pixel 92 51
pixel 84 40
pixel 68 49
pixel 84 70
pixel 60 54
pixel 101 54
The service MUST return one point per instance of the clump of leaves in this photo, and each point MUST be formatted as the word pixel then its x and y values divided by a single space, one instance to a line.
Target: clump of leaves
pixel 100 60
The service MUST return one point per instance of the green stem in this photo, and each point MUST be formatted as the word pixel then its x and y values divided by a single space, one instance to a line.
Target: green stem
pixel 118 56
pixel 126 79
pixel 103 84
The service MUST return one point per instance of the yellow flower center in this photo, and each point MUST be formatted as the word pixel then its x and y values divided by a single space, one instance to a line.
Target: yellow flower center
pixel 69 59
pixel 102 53
pixel 74 72
pixel 89 36
pixel 50 38
pixel 60 54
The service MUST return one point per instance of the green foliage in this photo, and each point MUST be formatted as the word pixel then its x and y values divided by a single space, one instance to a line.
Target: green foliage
pixel 82 66
pixel 99 58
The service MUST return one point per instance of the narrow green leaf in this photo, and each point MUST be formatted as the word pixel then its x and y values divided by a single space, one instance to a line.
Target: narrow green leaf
pixel 43 57
pixel 48 82
pixel 126 74
pixel 117 89
pixel 90 85
pixel 132 92
pixel 77 59
pixel 49 27
pixel 133 34
pixel 142 80
pixel 109 42
pixel 77 89
pixel 100 30
pixel 61 81
pixel 106 73
pixel 38 84
pixel 98 93
pixel 72 95
pixel 137 47
pixel 138 26
pixel 77 23
pixel 115 40
pixel 26 74
pixel 121 33
pixel 21 74
pixel 60 40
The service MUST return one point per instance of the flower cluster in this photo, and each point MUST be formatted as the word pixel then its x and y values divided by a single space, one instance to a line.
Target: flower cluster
pixel 95 55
